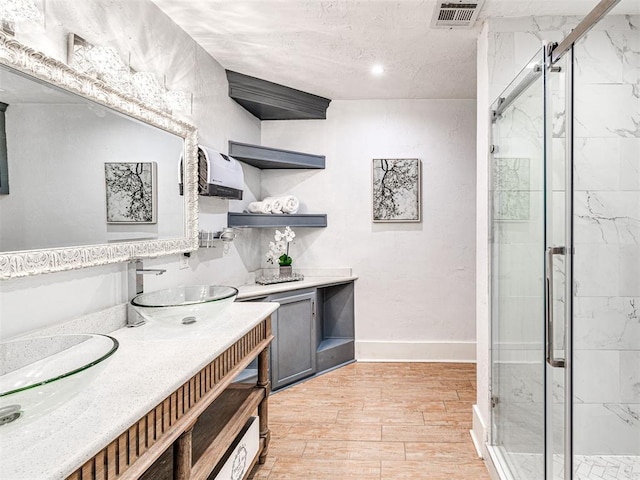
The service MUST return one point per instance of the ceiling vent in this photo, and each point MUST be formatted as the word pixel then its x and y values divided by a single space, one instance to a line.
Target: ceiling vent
pixel 456 13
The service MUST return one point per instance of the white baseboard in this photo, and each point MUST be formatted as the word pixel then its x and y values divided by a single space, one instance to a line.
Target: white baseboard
pixel 480 437
pixel 479 433
pixel 375 351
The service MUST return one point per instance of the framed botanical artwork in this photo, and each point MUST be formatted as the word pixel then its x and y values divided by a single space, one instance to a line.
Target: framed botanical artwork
pixel 396 189
pixel 131 192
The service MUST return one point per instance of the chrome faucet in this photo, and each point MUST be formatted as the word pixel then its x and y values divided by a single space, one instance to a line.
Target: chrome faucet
pixel 135 287
pixel 136 277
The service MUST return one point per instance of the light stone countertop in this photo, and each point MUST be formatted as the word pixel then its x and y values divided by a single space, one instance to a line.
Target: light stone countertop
pixel 256 291
pixel 152 361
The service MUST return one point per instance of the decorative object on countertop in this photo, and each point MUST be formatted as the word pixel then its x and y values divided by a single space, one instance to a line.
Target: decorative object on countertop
pixel 396 190
pixel 285 270
pixel 277 278
pixel 288 204
pixel 279 250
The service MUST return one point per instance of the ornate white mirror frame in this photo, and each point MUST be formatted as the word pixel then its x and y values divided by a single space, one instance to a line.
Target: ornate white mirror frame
pixel 33 262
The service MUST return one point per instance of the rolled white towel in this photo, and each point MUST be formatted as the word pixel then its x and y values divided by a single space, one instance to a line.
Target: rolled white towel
pixel 290 204
pixel 259 207
pixel 276 206
pixel 268 204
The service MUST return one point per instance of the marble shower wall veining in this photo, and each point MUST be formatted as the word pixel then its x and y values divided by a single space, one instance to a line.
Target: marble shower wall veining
pixel 606 232
pixel 607 239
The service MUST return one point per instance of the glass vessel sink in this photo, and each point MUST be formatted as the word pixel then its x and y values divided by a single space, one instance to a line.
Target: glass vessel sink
pixel 185 304
pixel 38 374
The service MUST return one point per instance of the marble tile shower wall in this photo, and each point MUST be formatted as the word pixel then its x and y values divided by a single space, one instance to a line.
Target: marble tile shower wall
pixel 606 220
pixel 607 239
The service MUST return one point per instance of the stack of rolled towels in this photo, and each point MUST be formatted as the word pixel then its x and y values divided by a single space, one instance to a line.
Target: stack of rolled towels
pixel 287 204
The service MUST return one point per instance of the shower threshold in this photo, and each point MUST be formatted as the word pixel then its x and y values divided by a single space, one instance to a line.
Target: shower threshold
pixel 529 466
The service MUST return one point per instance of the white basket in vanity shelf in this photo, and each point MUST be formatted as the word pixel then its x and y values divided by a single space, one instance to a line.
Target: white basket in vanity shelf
pixel 239 458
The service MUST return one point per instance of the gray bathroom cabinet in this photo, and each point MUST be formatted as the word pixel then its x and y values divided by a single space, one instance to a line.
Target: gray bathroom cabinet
pixel 313 330
pixel 293 351
pixel 335 326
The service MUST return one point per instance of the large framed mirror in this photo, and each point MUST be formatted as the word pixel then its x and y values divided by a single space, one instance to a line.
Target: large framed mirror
pixel 88 176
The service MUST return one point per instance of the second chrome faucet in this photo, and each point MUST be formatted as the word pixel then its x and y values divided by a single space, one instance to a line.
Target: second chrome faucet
pixel 135 281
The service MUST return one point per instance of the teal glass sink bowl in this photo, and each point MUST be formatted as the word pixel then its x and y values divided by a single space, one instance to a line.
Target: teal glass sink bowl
pixel 38 374
pixel 186 305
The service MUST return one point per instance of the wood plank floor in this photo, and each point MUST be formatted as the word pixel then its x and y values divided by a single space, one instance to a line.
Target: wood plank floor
pixel 382 421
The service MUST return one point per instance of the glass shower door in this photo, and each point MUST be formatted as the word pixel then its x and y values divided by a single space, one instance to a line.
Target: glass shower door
pixel 558 265
pixel 518 276
pixel 565 260
pixel 593 220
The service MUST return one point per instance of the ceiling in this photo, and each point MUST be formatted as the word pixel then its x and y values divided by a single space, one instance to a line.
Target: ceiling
pixel 328 47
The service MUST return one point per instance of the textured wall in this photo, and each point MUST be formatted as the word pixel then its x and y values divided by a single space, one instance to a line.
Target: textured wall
pixel 155 44
pixel 415 293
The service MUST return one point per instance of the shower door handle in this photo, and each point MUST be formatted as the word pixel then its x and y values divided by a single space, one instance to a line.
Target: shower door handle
pixel 548 311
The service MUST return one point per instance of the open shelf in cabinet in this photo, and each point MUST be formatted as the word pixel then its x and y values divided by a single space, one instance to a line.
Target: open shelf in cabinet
pixel 214 431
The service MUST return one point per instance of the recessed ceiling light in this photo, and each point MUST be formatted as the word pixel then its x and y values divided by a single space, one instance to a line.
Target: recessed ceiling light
pixel 377 70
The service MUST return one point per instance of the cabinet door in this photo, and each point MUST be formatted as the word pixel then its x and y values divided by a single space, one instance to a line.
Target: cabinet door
pixel 293 351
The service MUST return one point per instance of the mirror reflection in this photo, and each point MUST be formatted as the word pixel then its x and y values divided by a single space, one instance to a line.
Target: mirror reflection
pixel 73 172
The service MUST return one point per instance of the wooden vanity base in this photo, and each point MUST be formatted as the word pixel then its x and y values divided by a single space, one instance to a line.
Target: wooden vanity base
pixel 174 422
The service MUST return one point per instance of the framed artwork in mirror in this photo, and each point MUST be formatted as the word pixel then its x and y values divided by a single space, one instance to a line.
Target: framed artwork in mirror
pixel 4 172
pixel 131 192
pixel 396 185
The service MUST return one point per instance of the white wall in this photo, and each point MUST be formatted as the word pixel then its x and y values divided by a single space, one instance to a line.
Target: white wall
pixel 415 294
pixel 155 44
pixel 481 415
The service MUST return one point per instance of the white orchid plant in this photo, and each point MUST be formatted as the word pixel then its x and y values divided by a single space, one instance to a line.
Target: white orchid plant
pixel 279 249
